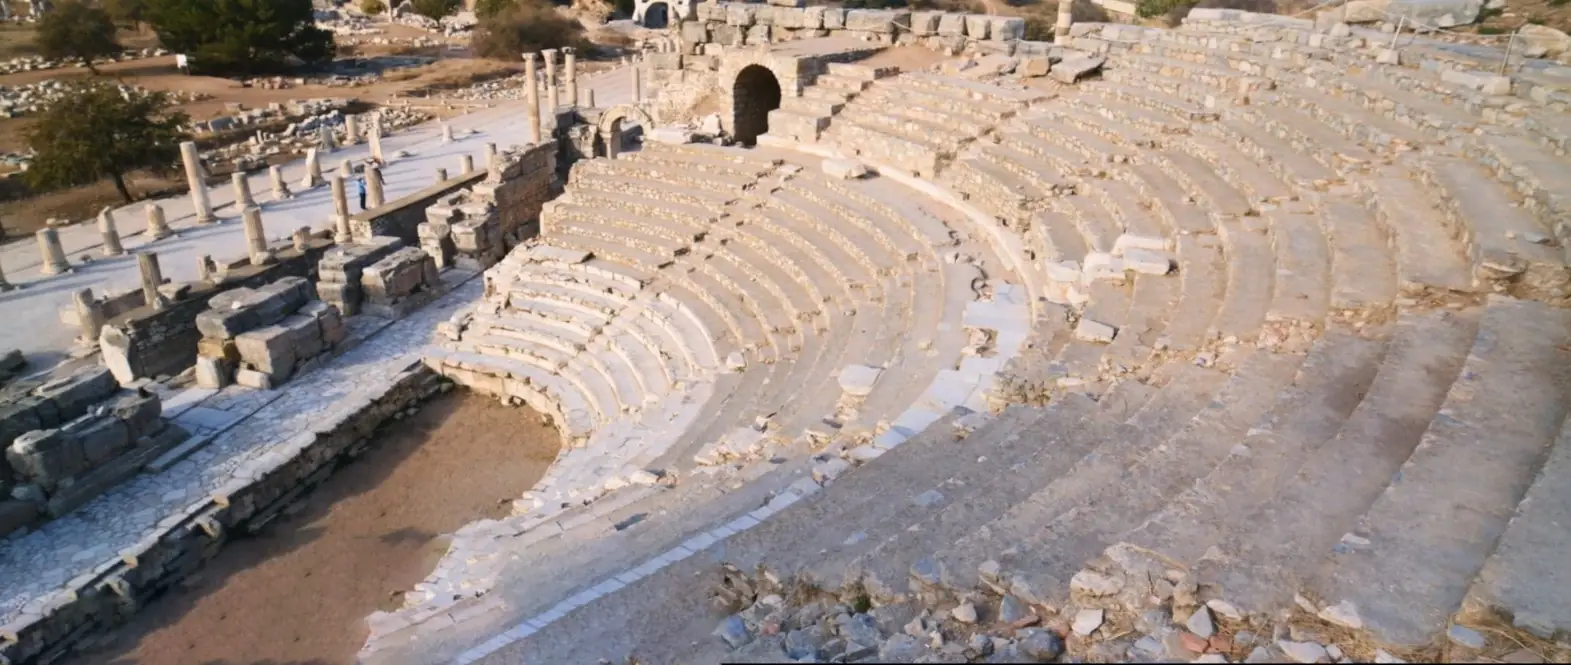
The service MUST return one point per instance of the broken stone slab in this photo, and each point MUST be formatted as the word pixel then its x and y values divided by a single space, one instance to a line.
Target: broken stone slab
pixel 858 380
pixel 1035 66
pixel 1072 69
pixel 671 135
pixel 1543 41
pixel 1086 622
pixel 1435 13
pixel 1146 262
pixel 844 169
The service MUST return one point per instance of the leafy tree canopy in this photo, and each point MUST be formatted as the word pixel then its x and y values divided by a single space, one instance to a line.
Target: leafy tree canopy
pixel 525 26
pixel 436 9
pixel 241 36
pixel 130 12
pixel 488 8
pixel 74 29
pixel 99 131
pixel 373 7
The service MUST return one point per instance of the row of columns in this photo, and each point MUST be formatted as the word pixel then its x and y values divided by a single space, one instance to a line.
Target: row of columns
pixel 554 87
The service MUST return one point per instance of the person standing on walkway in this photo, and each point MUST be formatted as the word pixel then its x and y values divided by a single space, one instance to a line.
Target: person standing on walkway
pixel 360 185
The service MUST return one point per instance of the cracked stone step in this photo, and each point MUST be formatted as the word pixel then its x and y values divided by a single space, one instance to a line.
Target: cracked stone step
pixel 1427 539
pixel 1321 502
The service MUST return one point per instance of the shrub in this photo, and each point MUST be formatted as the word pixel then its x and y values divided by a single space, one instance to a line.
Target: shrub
pixel 489 8
pixel 527 26
pixel 373 7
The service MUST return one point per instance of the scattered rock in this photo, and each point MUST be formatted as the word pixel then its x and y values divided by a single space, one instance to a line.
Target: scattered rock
pixel 1073 69
pixel 964 613
pixel 1041 644
pixel 1087 621
pixel 1465 637
pixel 902 649
pixel 734 631
pixel 1385 657
pixel 844 169
pixel 1543 41
pixel 1095 584
pixel 1302 652
pixel 1200 623
pixel 1225 609
pixel 1334 651
pixel 1011 611
pixel 1210 658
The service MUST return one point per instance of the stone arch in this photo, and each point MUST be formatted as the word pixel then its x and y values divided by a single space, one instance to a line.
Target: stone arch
pixel 657 16
pixel 613 119
pixel 755 92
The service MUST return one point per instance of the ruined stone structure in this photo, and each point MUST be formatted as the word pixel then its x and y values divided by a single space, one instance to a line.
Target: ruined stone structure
pixel 1129 345
pixel 260 337
pixel 69 438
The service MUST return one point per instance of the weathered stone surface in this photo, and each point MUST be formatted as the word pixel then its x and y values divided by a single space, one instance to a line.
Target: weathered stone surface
pixel 1073 69
pixel 844 169
pixel 1436 13
pixel 1543 41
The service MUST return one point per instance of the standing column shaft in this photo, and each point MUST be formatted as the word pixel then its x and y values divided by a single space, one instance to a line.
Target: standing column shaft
pixel 376 136
pixel 152 277
pixel 157 227
pixel 193 178
pixel 110 234
pixel 551 99
pixel 313 169
pixel 638 81
pixel 1065 19
pixel 351 129
pixel 441 174
pixel 532 97
pixel 326 131
pixel 447 133
pixel 340 210
pixel 373 186
pixel 571 75
pixel 280 188
pixel 53 254
pixel 302 239
pixel 89 315
pixel 256 236
pixel 589 98
pixel 467 164
pixel 242 190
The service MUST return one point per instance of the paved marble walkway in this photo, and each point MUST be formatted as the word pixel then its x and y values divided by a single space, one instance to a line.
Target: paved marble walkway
pixel 246 425
pixel 32 313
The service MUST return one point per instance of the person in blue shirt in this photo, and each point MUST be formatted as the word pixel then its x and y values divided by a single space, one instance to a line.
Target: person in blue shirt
pixel 360 184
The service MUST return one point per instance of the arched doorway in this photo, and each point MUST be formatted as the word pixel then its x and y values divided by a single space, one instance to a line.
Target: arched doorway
pixel 755 93
pixel 623 124
pixel 657 15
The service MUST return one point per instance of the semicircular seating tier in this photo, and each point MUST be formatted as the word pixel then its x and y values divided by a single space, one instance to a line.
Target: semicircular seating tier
pixel 1257 304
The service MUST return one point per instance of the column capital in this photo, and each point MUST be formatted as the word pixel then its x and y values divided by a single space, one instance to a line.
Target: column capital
pixel 529 58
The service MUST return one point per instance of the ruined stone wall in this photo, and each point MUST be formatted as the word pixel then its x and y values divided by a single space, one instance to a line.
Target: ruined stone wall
pixel 114 594
pixel 399 217
pixel 147 341
pixel 735 24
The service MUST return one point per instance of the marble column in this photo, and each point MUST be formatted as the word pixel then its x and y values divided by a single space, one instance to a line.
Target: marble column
pixel 157 226
pixel 302 239
pixel 638 81
pixel 351 129
pixel 373 187
pixel 571 74
pixel 466 164
pixel 110 234
pixel 326 132
pixel 447 133
pixel 532 96
pixel 152 277
pixel 1066 14
pixel 90 318
pixel 340 210
pixel 376 137
pixel 280 188
pixel 344 169
pixel 193 178
pixel 53 254
pixel 242 187
pixel 256 236
pixel 589 98
pixel 313 169
pixel 441 174
pixel 552 101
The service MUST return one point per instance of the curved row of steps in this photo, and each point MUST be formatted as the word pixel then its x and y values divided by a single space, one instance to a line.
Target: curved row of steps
pixel 688 328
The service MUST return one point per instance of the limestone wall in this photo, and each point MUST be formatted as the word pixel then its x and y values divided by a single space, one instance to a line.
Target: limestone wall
pixel 399 217
pixel 733 24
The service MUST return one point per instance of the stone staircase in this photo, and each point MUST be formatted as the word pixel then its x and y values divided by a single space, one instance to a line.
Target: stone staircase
pixel 1295 369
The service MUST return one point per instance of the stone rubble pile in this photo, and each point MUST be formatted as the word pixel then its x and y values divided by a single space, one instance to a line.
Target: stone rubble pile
pixel 345 73
pixel 33 63
pixel 20 100
pixel 378 276
pixel 69 439
pixel 260 337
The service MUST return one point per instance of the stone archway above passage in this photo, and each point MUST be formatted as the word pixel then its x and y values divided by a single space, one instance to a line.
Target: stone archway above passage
pixel 754 94
pixel 622 112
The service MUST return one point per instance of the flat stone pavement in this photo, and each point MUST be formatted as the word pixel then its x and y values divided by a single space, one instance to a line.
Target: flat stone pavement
pixel 32 313
pixel 246 425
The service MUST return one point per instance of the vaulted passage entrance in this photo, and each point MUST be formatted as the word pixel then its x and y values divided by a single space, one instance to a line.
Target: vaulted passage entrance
pixel 755 93
pixel 658 15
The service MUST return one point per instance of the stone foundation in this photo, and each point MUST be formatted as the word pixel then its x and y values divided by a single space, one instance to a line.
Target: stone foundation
pixel 261 337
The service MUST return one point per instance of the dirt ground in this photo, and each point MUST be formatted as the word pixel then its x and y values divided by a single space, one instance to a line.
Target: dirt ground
pixel 299 592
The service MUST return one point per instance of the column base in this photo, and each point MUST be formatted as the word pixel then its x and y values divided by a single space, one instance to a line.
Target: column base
pixel 55 268
pixel 207 220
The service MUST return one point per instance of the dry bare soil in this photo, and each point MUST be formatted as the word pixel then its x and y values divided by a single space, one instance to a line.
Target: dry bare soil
pixel 298 593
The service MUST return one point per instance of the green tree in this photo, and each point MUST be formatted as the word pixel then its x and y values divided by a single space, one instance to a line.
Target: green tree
pixel 435 9
pixel 74 29
pixel 127 12
pixel 97 131
pixel 487 8
pixel 527 26
pixel 373 7
pixel 241 36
